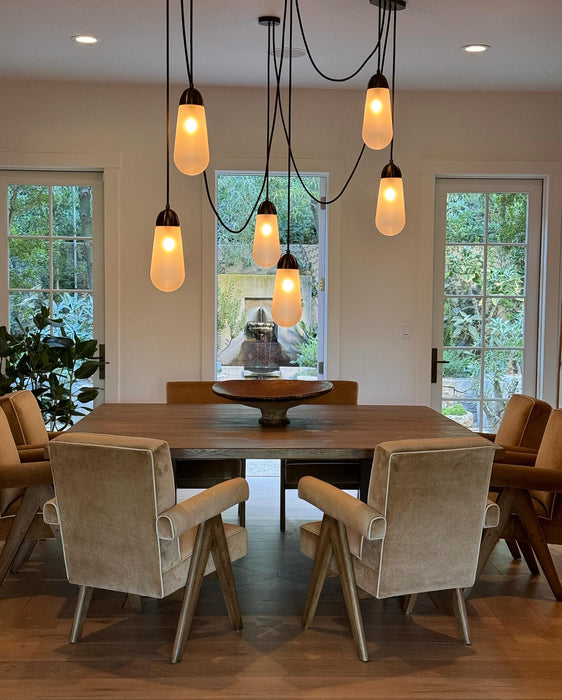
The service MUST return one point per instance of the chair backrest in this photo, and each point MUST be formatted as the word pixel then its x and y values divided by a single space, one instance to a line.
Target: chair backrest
pixel 523 422
pixel 344 392
pixel 25 418
pixel 192 392
pixel 433 494
pixel 8 457
pixel 110 490
pixel 550 457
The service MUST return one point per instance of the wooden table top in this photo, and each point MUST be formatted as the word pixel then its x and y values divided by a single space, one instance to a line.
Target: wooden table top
pixel 315 430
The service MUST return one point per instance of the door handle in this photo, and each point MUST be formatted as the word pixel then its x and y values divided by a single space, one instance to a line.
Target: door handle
pixel 434 363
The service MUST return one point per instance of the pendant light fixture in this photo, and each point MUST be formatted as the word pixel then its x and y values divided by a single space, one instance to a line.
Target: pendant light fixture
pixel 167 269
pixel 377 114
pixel 191 148
pixel 266 248
pixel 390 217
pixel 286 306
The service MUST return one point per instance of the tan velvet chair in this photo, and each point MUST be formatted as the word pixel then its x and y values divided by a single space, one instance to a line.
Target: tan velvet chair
pixel 121 530
pixel 24 487
pixel 203 473
pixel 25 419
pixel 412 536
pixel 345 474
pixel 531 503
pixel 521 428
pixel 520 433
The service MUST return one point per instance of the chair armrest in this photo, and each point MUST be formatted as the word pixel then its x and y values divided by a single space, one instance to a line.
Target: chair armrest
pixel 51 512
pixel 32 453
pixel 339 505
pixel 491 515
pixel 25 474
pixel 197 509
pixel 523 456
pixel 54 433
pixel 520 477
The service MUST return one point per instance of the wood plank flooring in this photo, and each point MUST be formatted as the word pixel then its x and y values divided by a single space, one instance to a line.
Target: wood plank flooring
pixel 516 628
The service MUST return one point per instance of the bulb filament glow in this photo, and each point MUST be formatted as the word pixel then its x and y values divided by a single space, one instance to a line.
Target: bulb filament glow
pixel 191 125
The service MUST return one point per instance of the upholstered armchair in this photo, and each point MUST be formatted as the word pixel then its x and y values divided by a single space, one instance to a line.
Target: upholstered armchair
pixel 25 419
pixel 531 503
pixel 24 487
pixel 521 429
pixel 420 530
pixel 203 473
pixel 343 473
pixel 121 529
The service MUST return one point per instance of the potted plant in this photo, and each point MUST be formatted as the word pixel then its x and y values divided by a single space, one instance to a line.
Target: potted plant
pixel 53 367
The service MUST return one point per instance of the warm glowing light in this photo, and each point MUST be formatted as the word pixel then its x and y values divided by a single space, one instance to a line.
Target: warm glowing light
pixel 391 216
pixel 286 306
pixel 191 148
pixel 377 115
pixel 266 250
pixel 390 194
pixel 85 39
pixel 191 125
pixel 167 269
pixel 476 48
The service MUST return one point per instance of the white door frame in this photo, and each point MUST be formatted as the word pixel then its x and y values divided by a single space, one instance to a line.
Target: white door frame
pixel 548 379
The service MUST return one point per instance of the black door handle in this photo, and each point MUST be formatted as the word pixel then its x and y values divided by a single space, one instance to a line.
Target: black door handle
pixel 434 363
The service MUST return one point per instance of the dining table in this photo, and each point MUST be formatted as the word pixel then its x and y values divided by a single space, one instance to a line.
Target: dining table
pixel 315 431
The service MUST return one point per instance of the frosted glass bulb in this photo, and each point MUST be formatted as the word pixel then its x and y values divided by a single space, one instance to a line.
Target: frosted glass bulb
pixel 377 115
pixel 266 250
pixel 391 216
pixel 286 306
pixel 167 268
pixel 191 148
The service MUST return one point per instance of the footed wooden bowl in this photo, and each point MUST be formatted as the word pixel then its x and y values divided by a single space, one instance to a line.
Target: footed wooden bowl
pixel 273 397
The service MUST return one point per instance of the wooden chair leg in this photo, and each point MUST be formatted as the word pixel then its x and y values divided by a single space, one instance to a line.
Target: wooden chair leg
pixel 409 602
pixel 491 535
pixel 282 499
pixel 347 577
pixel 134 601
pixel 22 555
pixel 33 498
pixel 221 557
pixel 82 604
pixel 199 558
pixel 529 557
pixel 318 575
pixel 528 517
pixel 513 548
pixel 460 613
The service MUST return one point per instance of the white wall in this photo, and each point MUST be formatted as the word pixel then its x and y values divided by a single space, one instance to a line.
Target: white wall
pixel 375 280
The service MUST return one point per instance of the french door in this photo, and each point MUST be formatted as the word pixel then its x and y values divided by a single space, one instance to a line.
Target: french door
pixel 486 296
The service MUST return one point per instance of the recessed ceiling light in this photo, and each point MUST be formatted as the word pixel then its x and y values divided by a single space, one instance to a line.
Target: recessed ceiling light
pixel 296 53
pixel 476 48
pixel 85 39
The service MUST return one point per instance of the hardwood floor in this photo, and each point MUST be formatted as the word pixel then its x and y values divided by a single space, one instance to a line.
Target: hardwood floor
pixel 515 623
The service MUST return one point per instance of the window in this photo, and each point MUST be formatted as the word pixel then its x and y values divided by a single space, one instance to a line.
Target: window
pixel 53 249
pixel 248 342
pixel 487 291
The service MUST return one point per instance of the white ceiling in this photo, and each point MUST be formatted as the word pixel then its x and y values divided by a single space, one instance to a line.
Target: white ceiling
pixel 230 46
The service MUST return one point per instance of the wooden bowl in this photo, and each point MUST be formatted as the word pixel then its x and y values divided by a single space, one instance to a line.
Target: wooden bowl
pixel 273 397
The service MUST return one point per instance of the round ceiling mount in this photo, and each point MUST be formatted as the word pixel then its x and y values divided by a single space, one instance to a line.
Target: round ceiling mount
pixel 389 4
pixel 266 20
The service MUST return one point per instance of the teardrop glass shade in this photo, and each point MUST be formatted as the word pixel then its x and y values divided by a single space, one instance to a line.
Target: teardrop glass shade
pixel 191 148
pixel 286 306
pixel 377 116
pixel 167 269
pixel 391 215
pixel 266 249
